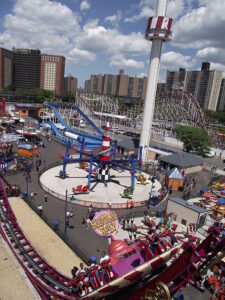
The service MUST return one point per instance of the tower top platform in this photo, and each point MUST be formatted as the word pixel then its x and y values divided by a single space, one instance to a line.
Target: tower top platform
pixel 159 28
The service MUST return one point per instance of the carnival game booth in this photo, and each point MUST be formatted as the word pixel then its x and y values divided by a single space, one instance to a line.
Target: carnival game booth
pixel 219 208
pixel 186 212
pixel 175 179
pixel 25 150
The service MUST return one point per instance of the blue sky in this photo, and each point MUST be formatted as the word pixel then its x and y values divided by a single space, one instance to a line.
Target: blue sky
pixel 102 36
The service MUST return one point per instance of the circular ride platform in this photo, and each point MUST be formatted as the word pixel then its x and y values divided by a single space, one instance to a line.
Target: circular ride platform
pixel 99 195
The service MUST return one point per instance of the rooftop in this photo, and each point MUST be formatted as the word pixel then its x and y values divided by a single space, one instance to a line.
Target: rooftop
pixel 182 159
pixel 188 205
pixel 129 144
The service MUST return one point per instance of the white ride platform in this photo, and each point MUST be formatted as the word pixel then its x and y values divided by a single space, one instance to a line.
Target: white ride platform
pixel 99 195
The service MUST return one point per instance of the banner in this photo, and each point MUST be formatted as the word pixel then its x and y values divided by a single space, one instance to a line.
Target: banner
pixel 105 223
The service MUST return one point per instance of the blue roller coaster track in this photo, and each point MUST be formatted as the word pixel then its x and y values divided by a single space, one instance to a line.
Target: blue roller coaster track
pixel 92 141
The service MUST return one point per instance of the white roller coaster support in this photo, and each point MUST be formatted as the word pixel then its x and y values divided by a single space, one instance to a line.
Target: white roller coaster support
pixel 153 74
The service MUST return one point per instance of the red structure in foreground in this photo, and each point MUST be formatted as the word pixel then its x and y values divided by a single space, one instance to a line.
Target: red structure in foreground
pixel 2 108
pixel 49 282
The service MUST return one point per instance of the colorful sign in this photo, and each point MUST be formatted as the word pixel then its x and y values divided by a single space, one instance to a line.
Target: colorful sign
pixel 105 223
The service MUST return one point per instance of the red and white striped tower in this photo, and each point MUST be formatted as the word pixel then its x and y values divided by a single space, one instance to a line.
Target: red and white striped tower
pixel 105 151
pixel 158 31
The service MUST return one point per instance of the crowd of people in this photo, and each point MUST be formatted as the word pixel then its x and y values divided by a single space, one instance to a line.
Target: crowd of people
pixel 89 278
pixel 214 281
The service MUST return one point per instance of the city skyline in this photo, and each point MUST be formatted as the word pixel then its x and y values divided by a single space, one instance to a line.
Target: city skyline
pixel 101 36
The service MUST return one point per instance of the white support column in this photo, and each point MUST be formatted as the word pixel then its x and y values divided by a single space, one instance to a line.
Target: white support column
pixel 149 105
pixel 153 75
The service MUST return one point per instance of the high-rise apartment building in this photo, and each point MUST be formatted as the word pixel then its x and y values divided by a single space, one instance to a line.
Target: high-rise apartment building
pixel 204 85
pixel 70 84
pixel 87 86
pixel 221 101
pixel 6 68
pixel 52 73
pixel 120 85
pixel 26 68
pixel 109 84
pixel 96 84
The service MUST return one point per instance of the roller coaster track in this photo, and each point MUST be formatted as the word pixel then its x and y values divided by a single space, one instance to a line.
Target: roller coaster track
pixel 50 282
pixel 171 108
pixel 75 108
pixel 43 276
pixel 92 141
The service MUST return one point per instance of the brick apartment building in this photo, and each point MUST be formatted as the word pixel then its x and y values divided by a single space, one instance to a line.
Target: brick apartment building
pixel 204 85
pixel 120 85
pixel 26 68
pixel 52 73
pixel 70 84
pixel 6 68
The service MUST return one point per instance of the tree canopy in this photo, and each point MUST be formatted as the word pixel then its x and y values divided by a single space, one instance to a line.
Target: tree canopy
pixel 44 95
pixel 215 116
pixel 195 139
pixel 72 97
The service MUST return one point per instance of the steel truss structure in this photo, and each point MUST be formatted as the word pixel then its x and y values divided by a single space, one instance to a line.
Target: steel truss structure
pixel 172 108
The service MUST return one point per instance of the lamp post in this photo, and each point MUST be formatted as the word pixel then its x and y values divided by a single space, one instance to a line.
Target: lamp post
pixel 27 176
pixel 65 216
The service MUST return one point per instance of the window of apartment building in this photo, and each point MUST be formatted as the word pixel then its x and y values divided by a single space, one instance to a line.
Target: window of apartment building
pixel 140 86
pixel 130 86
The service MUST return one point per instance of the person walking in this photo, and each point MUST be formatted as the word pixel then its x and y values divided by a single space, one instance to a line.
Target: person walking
pixel 40 209
pixel 46 197
pixel 32 196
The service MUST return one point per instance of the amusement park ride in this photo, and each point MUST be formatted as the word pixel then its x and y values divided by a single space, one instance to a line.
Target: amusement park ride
pixel 100 164
pixel 139 271
pixel 152 267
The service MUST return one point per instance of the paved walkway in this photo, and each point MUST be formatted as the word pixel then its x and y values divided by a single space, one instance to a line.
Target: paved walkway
pixel 43 238
pixel 85 242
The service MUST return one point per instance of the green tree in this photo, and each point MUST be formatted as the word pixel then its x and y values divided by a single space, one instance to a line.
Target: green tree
pixel 44 95
pixel 195 139
pixel 215 116
pixel 72 96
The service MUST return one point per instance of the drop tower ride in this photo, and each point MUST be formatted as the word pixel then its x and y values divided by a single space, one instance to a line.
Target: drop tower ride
pixel 158 31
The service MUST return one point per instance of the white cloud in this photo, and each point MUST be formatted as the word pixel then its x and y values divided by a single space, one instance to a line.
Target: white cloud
pixel 174 60
pixel 121 62
pixel 54 28
pixel 98 39
pixel 212 54
pixel 85 5
pixel 202 27
pixel 218 66
pixel 40 28
pixel 114 19
pixel 145 12
pixel 146 9
pixel 142 74
pixel 78 55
